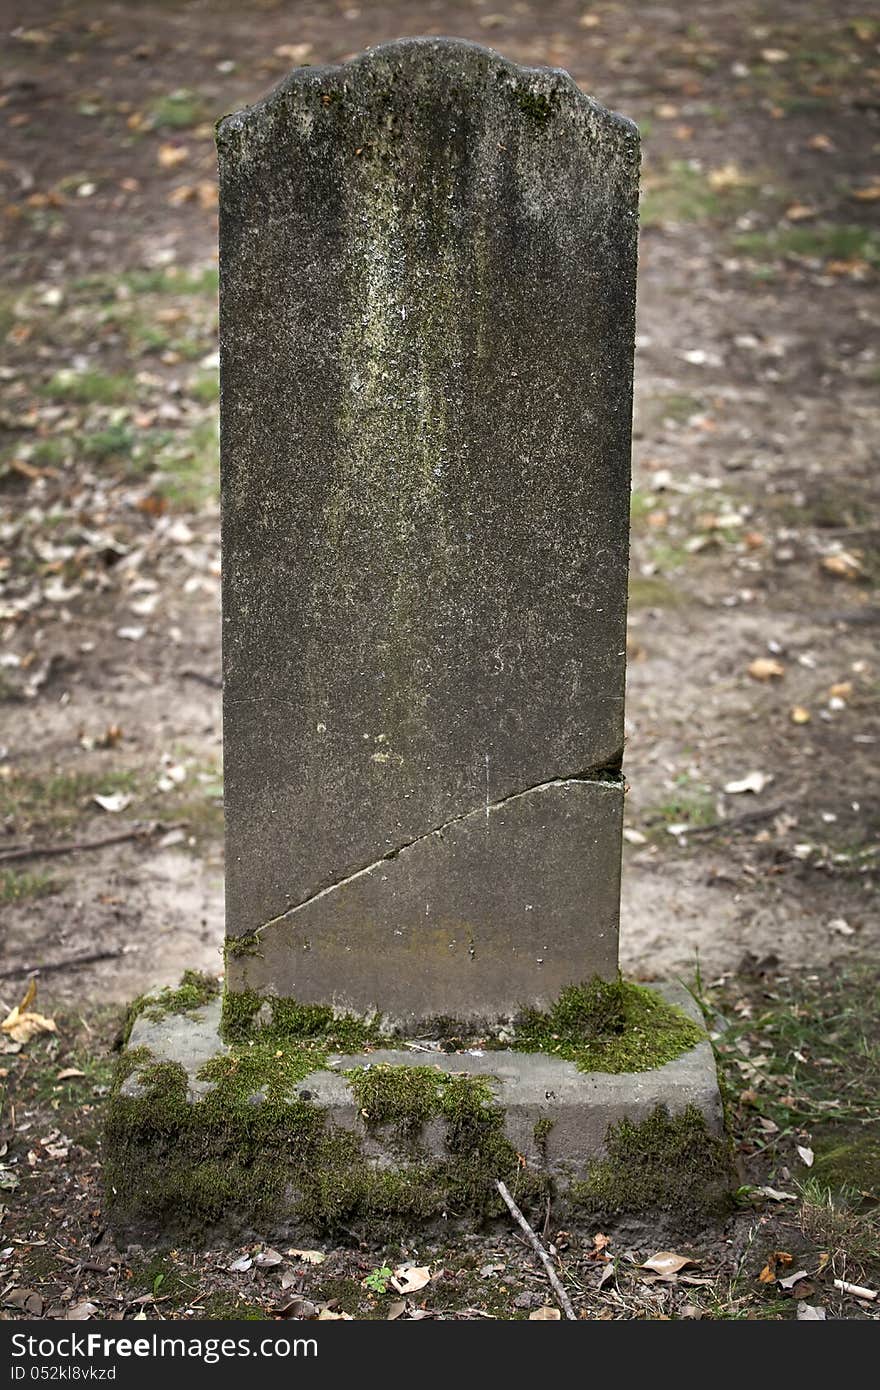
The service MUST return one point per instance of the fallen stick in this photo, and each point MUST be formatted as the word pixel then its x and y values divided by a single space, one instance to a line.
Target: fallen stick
pixel 733 822
pixel 60 964
pixel 141 832
pixel 562 1297
pixel 856 1290
pixel 215 682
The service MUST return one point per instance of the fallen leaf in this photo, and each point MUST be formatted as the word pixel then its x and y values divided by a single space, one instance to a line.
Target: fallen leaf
pixel 800 212
pixel 113 802
pixel 170 156
pixel 81 1312
pixel 241 1265
pixel 545 1315
pixel 23 1023
pixel 869 194
pixel 634 837
pixel 308 1257
pixel 27 1300
pixel 841 926
pixel 776 1260
pixel 410 1278
pixel 807 1155
pixel 808 1312
pixel 395 1309
pixel 752 782
pixel 296 1309
pixel 268 1259
pixel 841 690
pixel 666 1262
pixel 764 668
pixel 327 1315
pixel 842 566
pixel 774 1195
pixel 293 52
pixel 791 1282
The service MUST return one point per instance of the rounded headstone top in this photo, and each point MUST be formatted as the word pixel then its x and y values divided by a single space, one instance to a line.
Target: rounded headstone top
pixel 432 69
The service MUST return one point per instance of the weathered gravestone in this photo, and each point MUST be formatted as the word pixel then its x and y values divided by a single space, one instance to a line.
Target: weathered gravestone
pixel 427 285
pixel 428 263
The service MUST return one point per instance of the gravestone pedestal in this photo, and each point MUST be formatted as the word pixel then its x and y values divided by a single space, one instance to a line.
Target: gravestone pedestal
pixel 428 267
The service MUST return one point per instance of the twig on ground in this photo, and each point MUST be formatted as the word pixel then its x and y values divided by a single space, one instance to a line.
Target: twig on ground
pixel 68 964
pixel 562 1297
pixel 140 832
pixel 735 822
pixel 215 682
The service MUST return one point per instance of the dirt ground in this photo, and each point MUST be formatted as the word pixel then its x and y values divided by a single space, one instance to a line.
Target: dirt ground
pixel 754 608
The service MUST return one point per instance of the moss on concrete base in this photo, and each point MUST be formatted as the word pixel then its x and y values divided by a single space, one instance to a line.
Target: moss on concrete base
pixel 610 1026
pixel 241 1142
pixel 252 1151
pixel 668 1163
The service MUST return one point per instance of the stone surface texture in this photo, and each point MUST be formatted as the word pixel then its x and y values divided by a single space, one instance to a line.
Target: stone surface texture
pixel 428 263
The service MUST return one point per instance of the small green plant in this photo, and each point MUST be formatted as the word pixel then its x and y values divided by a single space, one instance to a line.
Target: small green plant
pixel 377 1280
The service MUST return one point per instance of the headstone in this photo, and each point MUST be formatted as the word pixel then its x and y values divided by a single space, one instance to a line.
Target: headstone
pixel 428 261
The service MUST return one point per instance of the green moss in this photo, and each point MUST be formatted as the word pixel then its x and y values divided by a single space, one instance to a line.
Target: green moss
pixel 538 106
pixel 609 1026
pixel 237 946
pixel 666 1163
pixel 849 1159
pixel 194 991
pixel 253 1145
pixel 248 1015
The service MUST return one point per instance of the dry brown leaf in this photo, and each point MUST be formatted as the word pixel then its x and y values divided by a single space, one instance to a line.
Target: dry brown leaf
pixel 410 1278
pixel 81 1312
pixel 800 212
pixel 327 1315
pixel 728 176
pixel 308 1257
pixel 666 1262
pixel 764 668
pixel 170 156
pixel 842 566
pixel 23 1023
pixel 776 1260
pixel 870 194
pixel 545 1315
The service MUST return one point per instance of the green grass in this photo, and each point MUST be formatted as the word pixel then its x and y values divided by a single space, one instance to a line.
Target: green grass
pixel 653 591
pixel 158 280
pixel 844 242
pixel 190 467
pixel 116 441
pixel 179 110
pixel 58 799
pixel 90 387
pixel 18 886
pixel 691 803
pixel 681 193
pixel 206 388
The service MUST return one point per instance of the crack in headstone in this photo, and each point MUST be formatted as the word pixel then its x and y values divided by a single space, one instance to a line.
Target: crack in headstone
pixel 607 772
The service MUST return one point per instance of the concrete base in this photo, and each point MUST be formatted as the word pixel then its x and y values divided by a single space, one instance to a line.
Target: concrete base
pixel 528 1087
